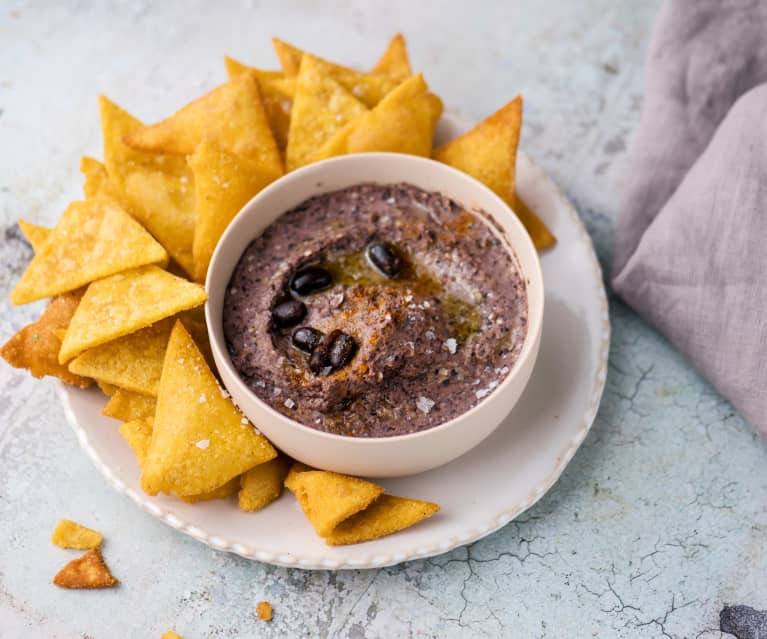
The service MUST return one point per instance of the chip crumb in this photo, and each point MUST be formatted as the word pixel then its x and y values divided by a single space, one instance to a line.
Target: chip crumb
pixel 203 444
pixel 70 534
pixel 88 571
pixel 452 345
pixel 264 611
pixel 424 404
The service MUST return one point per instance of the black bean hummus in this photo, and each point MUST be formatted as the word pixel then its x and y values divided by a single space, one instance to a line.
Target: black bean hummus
pixel 376 310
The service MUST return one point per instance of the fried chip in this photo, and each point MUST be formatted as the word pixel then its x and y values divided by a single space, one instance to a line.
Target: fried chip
pixel 200 439
pixel 169 634
pixel 321 108
pixel 93 239
pixel 36 346
pixel 264 611
pixel 263 484
pixel 126 406
pixel 133 362
pixel 125 303
pixel 394 62
pixel 222 492
pixel 403 122
pixel 138 434
pixel 386 515
pixel 542 237
pixel 157 188
pixel 108 389
pixel 328 498
pixel 231 115
pixel 89 571
pixel 70 534
pixel 35 234
pixel 224 183
pixel 97 180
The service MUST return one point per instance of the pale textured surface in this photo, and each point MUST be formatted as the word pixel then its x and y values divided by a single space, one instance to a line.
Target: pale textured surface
pixel 659 521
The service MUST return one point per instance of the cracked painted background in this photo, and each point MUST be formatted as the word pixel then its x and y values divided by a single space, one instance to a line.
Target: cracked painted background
pixel 659 522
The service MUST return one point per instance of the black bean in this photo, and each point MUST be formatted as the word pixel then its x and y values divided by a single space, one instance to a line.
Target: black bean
pixel 341 349
pixel 288 313
pixel 309 280
pixel 385 258
pixel 318 360
pixel 306 338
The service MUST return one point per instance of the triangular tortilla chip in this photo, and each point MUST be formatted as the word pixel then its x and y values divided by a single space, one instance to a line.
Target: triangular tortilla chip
pixel 89 571
pixel 126 406
pixel 263 484
pixel 394 62
pixel 222 492
pixel 93 239
pixel 125 303
pixel 97 180
pixel 200 439
pixel 70 534
pixel 108 389
pixel 169 634
pixel 35 234
pixel 328 498
pixel 138 434
pixel 36 346
pixel 224 183
pixel 540 234
pixel 235 68
pixel 321 108
pixel 386 515
pixel 157 187
pixel 403 122
pixel 133 362
pixel 232 116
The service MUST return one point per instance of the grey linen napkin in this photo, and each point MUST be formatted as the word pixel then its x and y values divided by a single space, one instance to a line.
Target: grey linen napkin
pixel 691 242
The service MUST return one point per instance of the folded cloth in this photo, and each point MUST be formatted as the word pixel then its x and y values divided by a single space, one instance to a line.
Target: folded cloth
pixel 691 242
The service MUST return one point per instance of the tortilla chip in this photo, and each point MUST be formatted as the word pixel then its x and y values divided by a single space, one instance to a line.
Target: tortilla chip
pixel 69 534
pixel 138 434
pixel 403 122
pixel 222 492
pixel 133 362
pixel 36 235
pixel 157 188
pixel 321 108
pixel 125 303
pixel 197 328
pixel 89 571
pixel 36 346
pixel 386 515
pixel 200 439
pixel 126 406
pixel 108 389
pixel 97 180
pixel 224 183
pixel 328 498
pixel 93 239
pixel 169 634
pixel 541 236
pixel 232 116
pixel 263 484
pixel 394 62
pixel 235 68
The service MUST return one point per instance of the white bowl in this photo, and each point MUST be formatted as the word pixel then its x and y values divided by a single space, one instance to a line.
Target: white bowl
pixel 375 456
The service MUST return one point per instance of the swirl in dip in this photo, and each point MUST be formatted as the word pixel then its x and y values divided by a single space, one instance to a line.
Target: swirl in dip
pixel 416 311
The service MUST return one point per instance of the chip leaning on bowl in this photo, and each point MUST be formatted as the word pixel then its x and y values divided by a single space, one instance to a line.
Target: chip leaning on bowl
pixel 122 267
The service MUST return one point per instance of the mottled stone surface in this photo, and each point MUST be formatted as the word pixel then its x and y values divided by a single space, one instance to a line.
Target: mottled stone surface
pixel 659 522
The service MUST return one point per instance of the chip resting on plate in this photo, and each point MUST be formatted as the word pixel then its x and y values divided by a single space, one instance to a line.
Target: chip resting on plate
pixel 89 571
pixel 126 405
pixel 70 534
pixel 35 234
pixel 138 433
pixel 222 492
pixel 395 62
pixel 263 484
pixel 200 439
pixel 93 239
pixel 124 303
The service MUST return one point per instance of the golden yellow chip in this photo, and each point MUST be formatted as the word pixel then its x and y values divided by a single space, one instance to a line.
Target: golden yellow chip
pixel 235 68
pixel 264 611
pixel 321 108
pixel 157 188
pixel 224 183
pixel 93 239
pixel 328 498
pixel 36 346
pixel 540 234
pixel 35 234
pixel 97 180
pixel 200 439
pixel 126 406
pixel 232 116
pixel 263 484
pixel 222 492
pixel 108 389
pixel 394 62
pixel 133 362
pixel 138 434
pixel 386 515
pixel 125 303
pixel 89 571
pixel 403 122
pixel 169 634
pixel 70 534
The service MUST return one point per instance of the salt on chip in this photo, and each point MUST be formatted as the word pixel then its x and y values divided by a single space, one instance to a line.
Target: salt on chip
pixel 126 405
pixel 93 239
pixel 125 303
pixel 222 492
pixel 35 234
pixel 89 571
pixel 321 108
pixel 138 434
pixel 70 534
pixel 224 183
pixel 386 515
pixel 328 498
pixel 156 187
pixel 200 439
pixel 133 362
pixel 36 346
pixel 395 62
pixel 263 484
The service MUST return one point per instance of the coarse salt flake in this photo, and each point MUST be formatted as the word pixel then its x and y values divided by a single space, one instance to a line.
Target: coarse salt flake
pixel 424 404
pixel 244 420
pixel 452 345
pixel 482 392
pixel 203 398
pixel 203 444
pixel 289 403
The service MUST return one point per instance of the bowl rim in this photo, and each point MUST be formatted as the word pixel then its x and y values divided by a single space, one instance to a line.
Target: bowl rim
pixel 534 321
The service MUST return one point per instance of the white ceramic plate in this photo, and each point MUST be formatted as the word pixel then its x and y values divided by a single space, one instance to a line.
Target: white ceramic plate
pixel 479 492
